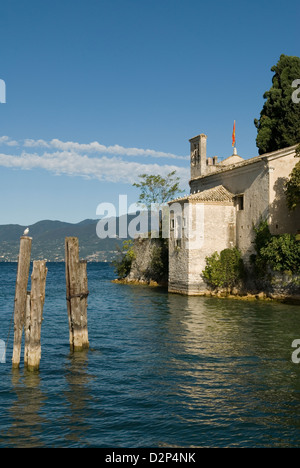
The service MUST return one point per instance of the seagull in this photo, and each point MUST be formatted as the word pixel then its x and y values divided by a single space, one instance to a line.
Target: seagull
pixel 26 232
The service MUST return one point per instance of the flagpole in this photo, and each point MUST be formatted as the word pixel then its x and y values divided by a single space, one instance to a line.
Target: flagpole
pixel 234 140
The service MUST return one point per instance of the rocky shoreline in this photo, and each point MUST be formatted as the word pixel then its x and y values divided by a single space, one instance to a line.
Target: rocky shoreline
pixel 276 286
pixel 235 294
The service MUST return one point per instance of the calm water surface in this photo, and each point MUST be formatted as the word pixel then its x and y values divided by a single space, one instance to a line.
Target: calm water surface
pixel 163 371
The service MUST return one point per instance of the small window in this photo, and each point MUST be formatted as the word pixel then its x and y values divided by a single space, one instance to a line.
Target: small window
pixel 178 243
pixel 172 223
pixel 240 202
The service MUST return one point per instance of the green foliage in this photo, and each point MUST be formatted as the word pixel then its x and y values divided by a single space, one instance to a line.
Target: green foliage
pixel 263 235
pixel 159 265
pixel 292 188
pixel 224 270
pixel 279 123
pixel 262 238
pixel 123 266
pixel 157 189
pixel 280 253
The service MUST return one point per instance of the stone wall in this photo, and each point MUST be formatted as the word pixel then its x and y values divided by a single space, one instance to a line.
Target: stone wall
pixel 281 220
pixel 251 181
pixel 187 260
pixel 141 268
pixel 280 286
pixel 261 181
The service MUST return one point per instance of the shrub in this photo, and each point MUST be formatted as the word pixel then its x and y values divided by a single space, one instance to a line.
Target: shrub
pixel 262 238
pixel 224 270
pixel 263 235
pixel 123 266
pixel 280 253
pixel 158 269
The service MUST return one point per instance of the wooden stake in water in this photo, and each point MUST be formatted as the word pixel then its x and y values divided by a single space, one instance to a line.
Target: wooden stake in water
pixel 34 316
pixel 84 303
pixel 77 293
pixel 21 297
pixel 27 328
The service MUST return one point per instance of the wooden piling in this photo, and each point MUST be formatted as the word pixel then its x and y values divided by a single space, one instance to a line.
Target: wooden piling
pixel 27 328
pixel 21 297
pixel 77 293
pixel 84 303
pixel 34 316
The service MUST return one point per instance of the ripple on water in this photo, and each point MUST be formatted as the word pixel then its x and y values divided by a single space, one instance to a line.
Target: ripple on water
pixel 163 371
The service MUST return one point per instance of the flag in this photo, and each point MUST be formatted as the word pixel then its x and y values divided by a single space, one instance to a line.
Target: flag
pixel 233 135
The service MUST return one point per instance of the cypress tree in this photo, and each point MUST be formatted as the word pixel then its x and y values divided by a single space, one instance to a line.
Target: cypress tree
pixel 279 123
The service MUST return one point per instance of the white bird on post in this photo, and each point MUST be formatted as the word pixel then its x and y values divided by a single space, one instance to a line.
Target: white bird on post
pixel 26 232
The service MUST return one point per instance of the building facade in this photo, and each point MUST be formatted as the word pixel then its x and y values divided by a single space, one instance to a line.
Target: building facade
pixel 227 199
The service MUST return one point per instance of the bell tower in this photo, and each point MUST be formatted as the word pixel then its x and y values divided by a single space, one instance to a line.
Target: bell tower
pixel 198 156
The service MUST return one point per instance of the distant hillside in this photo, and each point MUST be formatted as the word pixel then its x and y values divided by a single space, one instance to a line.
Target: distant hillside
pixel 49 241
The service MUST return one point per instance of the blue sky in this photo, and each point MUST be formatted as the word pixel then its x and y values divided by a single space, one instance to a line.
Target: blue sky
pixel 99 91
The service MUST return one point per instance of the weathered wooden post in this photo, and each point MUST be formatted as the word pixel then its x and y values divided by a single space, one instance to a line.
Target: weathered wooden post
pixel 21 297
pixel 84 303
pixel 27 328
pixel 34 316
pixel 77 293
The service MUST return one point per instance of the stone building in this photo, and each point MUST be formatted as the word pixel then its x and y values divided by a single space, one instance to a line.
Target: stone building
pixel 227 198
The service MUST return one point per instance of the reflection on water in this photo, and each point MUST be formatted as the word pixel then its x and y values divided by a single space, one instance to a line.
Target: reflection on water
pixel 25 411
pixel 29 418
pixel 164 370
pixel 235 365
pixel 78 400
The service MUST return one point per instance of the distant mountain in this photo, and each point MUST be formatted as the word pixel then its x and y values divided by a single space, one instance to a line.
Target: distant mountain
pixel 49 241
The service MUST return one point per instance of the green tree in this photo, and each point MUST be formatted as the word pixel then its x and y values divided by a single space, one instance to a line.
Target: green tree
pixel 279 123
pixel 157 189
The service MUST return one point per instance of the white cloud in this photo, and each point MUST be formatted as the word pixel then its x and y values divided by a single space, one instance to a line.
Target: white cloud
pixel 92 160
pixel 97 148
pixel 36 144
pixel 104 169
pixel 5 140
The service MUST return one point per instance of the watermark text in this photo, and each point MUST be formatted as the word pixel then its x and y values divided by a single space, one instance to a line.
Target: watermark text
pixel 296 93
pixel 296 353
pixel 2 92
pixel 177 221
pixel 2 352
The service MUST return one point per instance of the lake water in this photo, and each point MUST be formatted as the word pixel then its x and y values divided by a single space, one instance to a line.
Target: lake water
pixel 163 371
